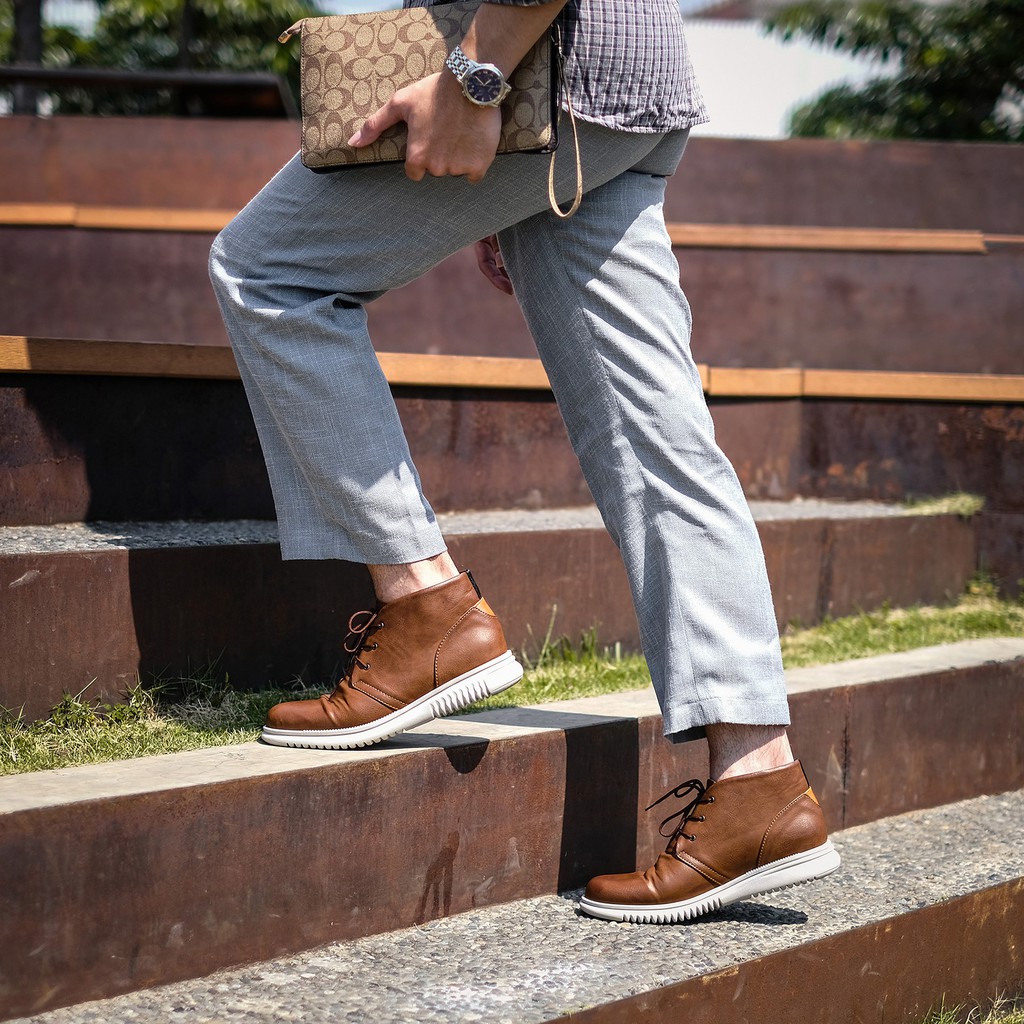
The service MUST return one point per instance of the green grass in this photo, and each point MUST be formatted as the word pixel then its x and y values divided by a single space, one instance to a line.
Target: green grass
pixel 1001 1011
pixel 959 504
pixel 167 716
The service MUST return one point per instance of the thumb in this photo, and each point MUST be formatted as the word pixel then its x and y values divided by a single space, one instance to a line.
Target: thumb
pixel 379 121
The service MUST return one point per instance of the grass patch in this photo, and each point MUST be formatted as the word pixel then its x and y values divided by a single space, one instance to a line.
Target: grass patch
pixel 205 711
pixel 959 504
pixel 980 612
pixel 1000 1011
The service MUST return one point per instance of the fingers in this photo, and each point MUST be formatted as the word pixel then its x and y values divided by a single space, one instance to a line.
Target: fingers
pixel 488 259
pixel 377 123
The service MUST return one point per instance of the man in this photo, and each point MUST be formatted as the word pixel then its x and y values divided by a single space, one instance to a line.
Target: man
pixel 601 295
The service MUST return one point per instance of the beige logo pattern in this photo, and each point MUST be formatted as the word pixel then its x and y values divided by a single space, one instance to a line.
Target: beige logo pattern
pixel 353 64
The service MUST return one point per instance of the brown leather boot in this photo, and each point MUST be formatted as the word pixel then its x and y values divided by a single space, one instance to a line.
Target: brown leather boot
pixel 412 660
pixel 745 835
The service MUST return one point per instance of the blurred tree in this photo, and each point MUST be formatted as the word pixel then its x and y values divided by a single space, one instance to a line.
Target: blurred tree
pixel 957 68
pixel 167 35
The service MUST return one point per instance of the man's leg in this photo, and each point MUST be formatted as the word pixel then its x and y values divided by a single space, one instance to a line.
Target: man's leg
pixel 601 294
pixel 292 273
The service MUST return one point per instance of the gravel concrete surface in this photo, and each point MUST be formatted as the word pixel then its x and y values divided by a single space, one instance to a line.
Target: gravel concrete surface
pixel 102 536
pixel 535 960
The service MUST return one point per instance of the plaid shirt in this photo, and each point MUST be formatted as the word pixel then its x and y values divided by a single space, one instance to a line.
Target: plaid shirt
pixel 626 63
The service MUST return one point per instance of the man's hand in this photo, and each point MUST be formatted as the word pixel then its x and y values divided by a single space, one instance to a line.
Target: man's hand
pixel 488 259
pixel 447 133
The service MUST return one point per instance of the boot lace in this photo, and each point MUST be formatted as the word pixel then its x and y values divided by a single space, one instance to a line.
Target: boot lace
pixel 361 626
pixel 686 813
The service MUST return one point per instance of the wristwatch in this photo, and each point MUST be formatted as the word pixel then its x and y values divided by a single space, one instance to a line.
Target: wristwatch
pixel 483 84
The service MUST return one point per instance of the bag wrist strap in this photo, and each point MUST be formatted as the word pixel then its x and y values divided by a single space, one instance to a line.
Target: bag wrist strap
pixel 552 198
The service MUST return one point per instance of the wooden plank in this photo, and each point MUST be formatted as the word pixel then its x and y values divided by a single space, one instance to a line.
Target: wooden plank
pixel 920 387
pixel 126 218
pixel 462 371
pixel 20 354
pixel 728 381
pixel 714 236
pixel 44 215
pixel 763 236
pixel 115 358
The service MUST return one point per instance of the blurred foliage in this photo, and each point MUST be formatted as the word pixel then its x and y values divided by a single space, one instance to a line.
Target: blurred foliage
pixel 167 35
pixel 957 68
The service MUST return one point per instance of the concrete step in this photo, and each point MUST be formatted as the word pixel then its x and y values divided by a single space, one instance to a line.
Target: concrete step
pixel 927 905
pixel 123 876
pixel 100 604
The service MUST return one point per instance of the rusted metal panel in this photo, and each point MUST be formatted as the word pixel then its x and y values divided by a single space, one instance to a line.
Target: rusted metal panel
pixel 895 450
pixel 869 563
pixel 111 616
pixel 250 869
pixel 857 311
pixel 221 163
pixel 826 310
pixel 763 442
pixel 823 183
pixel 934 739
pixel 67 625
pixel 153 161
pixel 1001 544
pixel 974 951
pixel 65 456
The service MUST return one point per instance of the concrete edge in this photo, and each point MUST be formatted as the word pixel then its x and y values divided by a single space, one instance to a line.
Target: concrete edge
pixel 249 761
pixel 974 952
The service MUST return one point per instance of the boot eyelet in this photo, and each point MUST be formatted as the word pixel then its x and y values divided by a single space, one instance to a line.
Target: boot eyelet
pixel 701 818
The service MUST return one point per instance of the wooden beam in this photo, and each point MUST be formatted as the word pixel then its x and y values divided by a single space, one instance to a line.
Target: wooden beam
pixel 728 381
pixel 763 236
pixel 20 354
pixel 919 387
pixel 462 371
pixel 694 236
pixel 115 358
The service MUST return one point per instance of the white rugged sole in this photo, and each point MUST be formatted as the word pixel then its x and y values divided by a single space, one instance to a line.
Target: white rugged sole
pixel 485 681
pixel 781 874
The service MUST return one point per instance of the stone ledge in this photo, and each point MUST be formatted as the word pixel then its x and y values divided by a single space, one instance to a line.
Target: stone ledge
pixel 173 867
pixel 845 948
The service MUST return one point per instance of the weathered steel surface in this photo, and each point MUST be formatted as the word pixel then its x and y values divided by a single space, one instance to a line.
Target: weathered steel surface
pixel 220 164
pixel 751 308
pixel 962 951
pixel 90 448
pixel 905 752
pixel 821 183
pixel 113 161
pixel 63 455
pixel 175 884
pixel 104 618
pixel 1001 548
pixel 248 868
pixel 895 450
pixel 857 311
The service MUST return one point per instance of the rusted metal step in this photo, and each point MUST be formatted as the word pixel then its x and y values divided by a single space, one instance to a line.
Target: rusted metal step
pixel 102 604
pixel 124 876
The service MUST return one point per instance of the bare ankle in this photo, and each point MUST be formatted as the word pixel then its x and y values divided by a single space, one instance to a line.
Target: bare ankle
pixel 391 582
pixel 744 749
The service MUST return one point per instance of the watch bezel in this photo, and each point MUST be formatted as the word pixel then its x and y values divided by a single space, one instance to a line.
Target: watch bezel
pixel 485 85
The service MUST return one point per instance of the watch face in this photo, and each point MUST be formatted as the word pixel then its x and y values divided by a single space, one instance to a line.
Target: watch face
pixel 484 86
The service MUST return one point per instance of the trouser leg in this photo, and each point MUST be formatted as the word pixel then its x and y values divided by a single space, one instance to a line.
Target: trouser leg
pixel 601 295
pixel 292 274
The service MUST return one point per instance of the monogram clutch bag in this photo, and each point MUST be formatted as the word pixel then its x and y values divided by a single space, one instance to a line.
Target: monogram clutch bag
pixel 351 65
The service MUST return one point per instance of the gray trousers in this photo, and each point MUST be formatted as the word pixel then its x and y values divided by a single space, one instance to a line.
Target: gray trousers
pixel 601 295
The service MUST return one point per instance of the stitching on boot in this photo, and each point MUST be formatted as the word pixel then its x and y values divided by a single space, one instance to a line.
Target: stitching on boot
pixel 774 821
pixel 397 702
pixel 451 629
